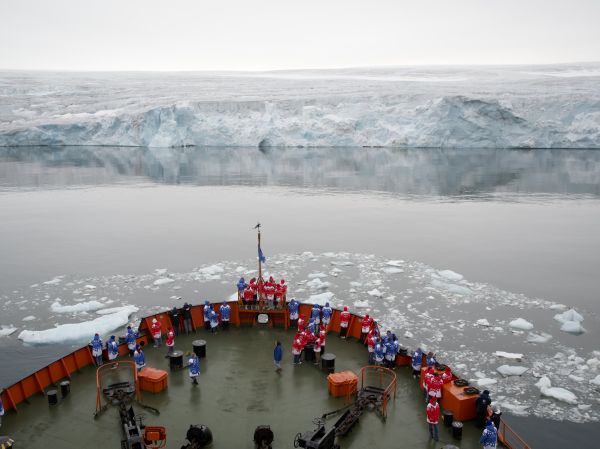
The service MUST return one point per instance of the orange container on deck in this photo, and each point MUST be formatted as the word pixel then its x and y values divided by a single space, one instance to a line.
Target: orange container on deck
pixel 153 380
pixel 344 383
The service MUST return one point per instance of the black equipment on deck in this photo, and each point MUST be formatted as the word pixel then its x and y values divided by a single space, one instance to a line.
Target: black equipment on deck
pixel 52 397
pixel 199 436
pixel 320 438
pixel 176 360
pixel 263 437
pixel 328 362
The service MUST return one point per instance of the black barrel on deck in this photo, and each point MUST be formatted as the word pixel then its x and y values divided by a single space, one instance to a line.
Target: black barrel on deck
pixel 176 360
pixel 199 348
pixel 309 353
pixel 448 418
pixel 457 428
pixel 328 362
pixel 65 388
pixel 52 397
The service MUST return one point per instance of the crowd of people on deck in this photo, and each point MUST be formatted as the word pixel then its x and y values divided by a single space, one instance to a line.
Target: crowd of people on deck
pixel 310 336
pixel 257 293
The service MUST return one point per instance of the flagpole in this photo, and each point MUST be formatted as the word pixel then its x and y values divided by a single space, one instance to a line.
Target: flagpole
pixel 259 261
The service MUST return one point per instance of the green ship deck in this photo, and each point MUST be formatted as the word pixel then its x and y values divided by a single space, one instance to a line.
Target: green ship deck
pixel 239 390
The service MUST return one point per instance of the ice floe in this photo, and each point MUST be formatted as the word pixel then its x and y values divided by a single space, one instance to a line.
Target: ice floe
pixel 163 281
pixel 558 393
pixel 321 298
pixel 89 306
pixel 361 304
pixel 376 293
pixel 508 355
pixel 596 380
pixel 483 322
pixel 521 323
pixel 451 275
pixel 511 370
pixel 571 321
pixel 79 332
pixel 29 318
pixel 7 330
pixel 540 337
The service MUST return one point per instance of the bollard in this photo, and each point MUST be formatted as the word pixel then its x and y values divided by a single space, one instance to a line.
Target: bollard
pixel 328 362
pixel 65 388
pixel 176 360
pixel 457 428
pixel 200 348
pixel 52 397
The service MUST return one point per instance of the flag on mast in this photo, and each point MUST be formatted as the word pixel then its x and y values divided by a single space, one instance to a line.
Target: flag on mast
pixel 261 256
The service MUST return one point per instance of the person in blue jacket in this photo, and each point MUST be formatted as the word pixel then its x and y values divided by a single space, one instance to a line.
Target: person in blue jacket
pixel 315 314
pixel 294 307
pixel 379 352
pixel 194 368
pixel 489 437
pixel 225 310
pixel 327 312
pixel 214 321
pixel 417 362
pixel 431 360
pixel 130 340
pixel 390 354
pixel 138 356
pixel 241 286
pixel 207 310
pixel 112 348
pixel 277 356
pixel 97 349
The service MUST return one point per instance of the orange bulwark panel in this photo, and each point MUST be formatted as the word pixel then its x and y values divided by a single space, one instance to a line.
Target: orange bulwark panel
pixel 153 380
pixel 403 360
pixel 354 327
pixel 197 316
pixel 334 323
pixel 304 310
pixel 462 405
pixel 344 383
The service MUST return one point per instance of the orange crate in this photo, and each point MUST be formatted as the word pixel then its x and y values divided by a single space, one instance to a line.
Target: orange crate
pixel 344 383
pixel 153 380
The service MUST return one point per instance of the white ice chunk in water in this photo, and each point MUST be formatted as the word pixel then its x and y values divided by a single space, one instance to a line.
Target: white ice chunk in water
pixel 361 304
pixel 395 263
pixel 521 323
pixel 89 306
pixel 511 370
pixel 508 355
pixel 317 275
pixel 558 393
pixel 7 330
pixel 318 284
pixel 541 337
pixel 90 287
pixel 163 281
pixel 596 380
pixel 451 275
pixel 321 298
pixel 212 270
pixel 572 327
pixel 57 280
pixel 29 318
pixel 79 332
pixel 482 322
pixel 484 381
pixel 376 293
pixel 569 315
pixel 160 271
pixel 393 270
pixel 408 334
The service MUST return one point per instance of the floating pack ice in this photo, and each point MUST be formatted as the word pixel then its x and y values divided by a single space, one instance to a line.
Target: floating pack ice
pixel 558 393
pixel 321 298
pixel 163 281
pixel 89 306
pixel 521 323
pixel 508 355
pixel 7 330
pixel 79 332
pixel 510 370
pixel 571 321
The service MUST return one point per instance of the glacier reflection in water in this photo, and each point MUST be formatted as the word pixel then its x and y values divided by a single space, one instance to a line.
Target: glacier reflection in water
pixel 459 174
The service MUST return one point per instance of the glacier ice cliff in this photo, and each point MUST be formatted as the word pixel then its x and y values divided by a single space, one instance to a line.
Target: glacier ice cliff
pixel 502 107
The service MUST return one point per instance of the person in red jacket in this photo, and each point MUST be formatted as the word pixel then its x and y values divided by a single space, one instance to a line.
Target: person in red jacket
pixel 371 340
pixel 344 322
pixel 426 378
pixel 297 347
pixel 170 342
pixel 365 327
pixel 435 386
pixel 447 375
pixel 270 294
pixel 433 417
pixel 283 287
pixel 301 323
pixel 156 332
pixel 248 296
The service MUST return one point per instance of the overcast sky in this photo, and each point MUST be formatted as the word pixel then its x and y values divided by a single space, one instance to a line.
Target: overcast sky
pixel 282 34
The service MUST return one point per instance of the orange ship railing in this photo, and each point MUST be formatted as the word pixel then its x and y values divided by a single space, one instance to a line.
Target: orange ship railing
pixel 380 377
pixel 510 438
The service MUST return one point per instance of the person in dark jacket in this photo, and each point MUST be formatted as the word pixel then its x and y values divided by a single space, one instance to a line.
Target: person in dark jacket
pixel 174 315
pixel 481 406
pixel 277 356
pixel 186 311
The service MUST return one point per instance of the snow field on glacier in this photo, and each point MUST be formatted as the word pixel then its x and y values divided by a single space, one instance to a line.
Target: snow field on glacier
pixel 468 324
